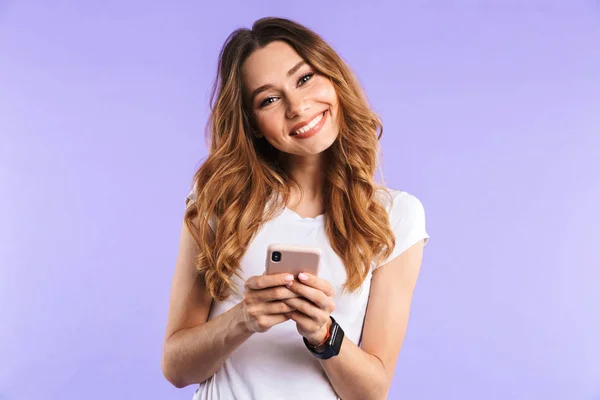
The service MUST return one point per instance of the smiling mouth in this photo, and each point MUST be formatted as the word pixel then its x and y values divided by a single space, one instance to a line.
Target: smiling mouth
pixel 313 126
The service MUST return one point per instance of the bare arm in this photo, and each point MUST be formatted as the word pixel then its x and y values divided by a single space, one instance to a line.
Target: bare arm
pixel 367 372
pixel 195 348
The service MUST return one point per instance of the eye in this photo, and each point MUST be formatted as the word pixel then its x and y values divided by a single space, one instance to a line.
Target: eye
pixel 270 100
pixel 305 78
pixel 266 102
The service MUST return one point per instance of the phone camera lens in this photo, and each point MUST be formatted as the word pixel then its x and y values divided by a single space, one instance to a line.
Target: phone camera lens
pixel 276 256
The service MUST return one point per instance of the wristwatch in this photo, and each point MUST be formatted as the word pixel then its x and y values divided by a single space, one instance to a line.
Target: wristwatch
pixel 331 346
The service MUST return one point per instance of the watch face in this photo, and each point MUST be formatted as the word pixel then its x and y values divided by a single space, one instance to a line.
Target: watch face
pixel 337 335
pixel 334 331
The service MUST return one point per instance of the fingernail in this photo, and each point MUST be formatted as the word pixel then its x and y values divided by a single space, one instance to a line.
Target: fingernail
pixel 302 276
pixel 288 284
pixel 288 278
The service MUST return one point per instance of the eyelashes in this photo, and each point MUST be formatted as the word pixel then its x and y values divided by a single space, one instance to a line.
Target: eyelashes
pixel 309 75
pixel 303 79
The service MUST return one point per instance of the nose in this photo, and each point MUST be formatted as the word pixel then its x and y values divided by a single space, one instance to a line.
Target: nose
pixel 296 105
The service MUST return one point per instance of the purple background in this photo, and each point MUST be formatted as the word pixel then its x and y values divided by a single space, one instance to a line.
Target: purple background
pixel 492 118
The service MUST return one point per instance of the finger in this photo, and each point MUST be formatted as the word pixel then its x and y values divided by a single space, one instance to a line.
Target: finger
pixel 314 295
pixel 307 308
pixel 266 281
pixel 317 283
pixel 276 307
pixel 306 323
pixel 265 322
pixel 258 310
pixel 275 293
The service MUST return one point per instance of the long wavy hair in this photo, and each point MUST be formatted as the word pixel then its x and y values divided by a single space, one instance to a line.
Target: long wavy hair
pixel 243 174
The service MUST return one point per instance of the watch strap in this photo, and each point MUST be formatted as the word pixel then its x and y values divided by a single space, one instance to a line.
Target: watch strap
pixel 332 345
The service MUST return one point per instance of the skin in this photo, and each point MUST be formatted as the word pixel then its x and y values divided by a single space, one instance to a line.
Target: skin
pixel 290 100
pixel 195 348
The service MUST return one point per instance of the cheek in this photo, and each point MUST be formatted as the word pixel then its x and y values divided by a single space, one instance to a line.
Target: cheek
pixel 326 92
pixel 267 123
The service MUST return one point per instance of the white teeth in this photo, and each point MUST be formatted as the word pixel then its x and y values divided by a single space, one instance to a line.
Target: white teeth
pixel 309 126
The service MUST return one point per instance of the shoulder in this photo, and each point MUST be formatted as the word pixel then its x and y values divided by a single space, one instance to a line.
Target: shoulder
pixel 191 195
pixel 397 201
pixel 407 220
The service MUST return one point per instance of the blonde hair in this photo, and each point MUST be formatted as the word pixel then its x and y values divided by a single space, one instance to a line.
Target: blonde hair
pixel 242 173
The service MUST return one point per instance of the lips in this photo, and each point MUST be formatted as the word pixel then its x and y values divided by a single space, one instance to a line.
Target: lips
pixel 315 125
pixel 304 123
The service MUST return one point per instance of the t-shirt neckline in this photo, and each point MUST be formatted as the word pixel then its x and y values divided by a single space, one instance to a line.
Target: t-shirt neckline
pixel 296 216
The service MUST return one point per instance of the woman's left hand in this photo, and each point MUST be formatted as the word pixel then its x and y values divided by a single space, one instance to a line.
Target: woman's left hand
pixel 313 307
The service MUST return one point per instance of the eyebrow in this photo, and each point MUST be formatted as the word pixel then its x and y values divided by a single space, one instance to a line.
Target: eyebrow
pixel 262 88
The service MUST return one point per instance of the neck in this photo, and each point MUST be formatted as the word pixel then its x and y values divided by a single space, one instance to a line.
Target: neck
pixel 309 172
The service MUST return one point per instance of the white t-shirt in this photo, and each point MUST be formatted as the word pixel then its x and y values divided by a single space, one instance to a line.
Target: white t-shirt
pixel 276 364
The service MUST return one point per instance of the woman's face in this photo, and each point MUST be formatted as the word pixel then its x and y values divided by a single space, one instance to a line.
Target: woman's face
pixel 294 107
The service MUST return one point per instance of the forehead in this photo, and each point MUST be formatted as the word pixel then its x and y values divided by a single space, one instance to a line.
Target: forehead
pixel 269 64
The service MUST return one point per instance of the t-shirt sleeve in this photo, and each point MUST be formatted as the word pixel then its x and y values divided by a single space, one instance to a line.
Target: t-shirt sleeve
pixel 191 197
pixel 407 220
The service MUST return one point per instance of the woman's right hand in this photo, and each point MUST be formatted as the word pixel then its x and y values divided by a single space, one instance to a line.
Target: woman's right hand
pixel 262 307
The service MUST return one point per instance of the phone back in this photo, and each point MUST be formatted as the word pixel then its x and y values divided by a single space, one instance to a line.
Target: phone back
pixel 292 259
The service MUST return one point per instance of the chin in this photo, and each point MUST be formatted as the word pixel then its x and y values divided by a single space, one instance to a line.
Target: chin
pixel 315 147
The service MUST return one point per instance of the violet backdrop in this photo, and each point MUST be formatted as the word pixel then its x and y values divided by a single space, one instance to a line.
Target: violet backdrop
pixel 491 114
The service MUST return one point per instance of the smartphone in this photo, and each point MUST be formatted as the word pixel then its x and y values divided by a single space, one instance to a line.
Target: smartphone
pixel 292 259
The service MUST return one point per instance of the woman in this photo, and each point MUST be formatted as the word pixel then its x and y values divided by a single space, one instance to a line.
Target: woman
pixel 293 152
